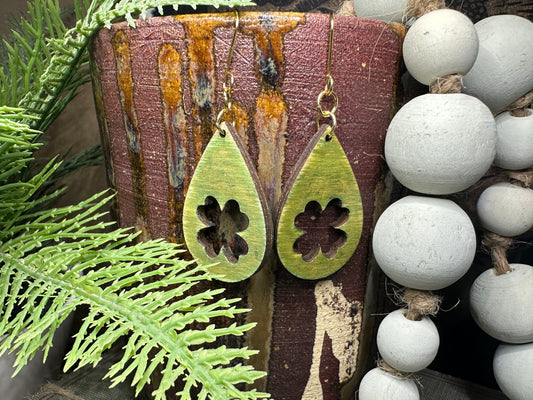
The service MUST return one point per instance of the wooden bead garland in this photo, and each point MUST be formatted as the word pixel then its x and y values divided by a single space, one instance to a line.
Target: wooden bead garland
pixel 513 370
pixel 514 148
pixel 502 71
pixel 498 86
pixel 424 243
pixel 501 298
pixel 387 382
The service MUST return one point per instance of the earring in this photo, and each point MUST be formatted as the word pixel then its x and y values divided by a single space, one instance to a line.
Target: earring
pixel 320 218
pixel 226 221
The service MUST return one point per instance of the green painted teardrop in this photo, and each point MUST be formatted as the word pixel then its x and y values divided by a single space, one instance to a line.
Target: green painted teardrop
pixel 321 215
pixel 225 217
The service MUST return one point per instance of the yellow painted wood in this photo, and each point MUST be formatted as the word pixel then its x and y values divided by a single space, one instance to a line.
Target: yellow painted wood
pixel 226 175
pixel 322 175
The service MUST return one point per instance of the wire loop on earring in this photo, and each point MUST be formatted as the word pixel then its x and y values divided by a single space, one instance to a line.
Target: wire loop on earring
pixel 228 78
pixel 328 88
pixel 333 109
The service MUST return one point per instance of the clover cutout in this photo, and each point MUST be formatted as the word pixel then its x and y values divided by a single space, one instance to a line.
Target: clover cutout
pixel 222 227
pixel 320 229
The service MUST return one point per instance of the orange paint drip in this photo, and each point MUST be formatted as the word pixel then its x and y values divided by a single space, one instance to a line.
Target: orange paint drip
pixel 270 123
pixel 269 41
pixel 174 119
pixel 201 57
pixel 121 48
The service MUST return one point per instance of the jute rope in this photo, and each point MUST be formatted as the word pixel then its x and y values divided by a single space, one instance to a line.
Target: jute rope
pixel 521 178
pixel 382 364
pixel 420 303
pixel 417 8
pixel 520 107
pixel 447 84
pixel 497 246
pixel 346 8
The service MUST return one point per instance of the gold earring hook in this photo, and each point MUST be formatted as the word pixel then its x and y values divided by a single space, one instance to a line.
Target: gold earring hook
pixel 232 46
pixel 328 88
pixel 228 76
pixel 329 82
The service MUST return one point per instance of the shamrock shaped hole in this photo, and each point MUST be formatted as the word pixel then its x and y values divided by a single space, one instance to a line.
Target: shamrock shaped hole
pixel 321 229
pixel 222 227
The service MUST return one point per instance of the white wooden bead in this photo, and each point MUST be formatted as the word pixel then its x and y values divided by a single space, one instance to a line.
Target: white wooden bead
pixel 502 71
pixel 502 304
pixel 439 43
pixel 406 345
pixel 441 143
pixel 506 209
pixel 424 243
pixel 514 149
pixel 513 370
pixel 383 10
pixel 380 385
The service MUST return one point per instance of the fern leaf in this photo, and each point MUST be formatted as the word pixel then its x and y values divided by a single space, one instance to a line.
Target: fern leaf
pixel 55 260
pixel 52 293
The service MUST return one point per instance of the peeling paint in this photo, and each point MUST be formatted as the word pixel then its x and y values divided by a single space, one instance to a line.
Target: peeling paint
pixel 341 320
pixel 203 92
pixel 177 167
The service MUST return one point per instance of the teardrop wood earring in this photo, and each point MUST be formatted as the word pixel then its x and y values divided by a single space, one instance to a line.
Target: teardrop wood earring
pixel 321 216
pixel 225 217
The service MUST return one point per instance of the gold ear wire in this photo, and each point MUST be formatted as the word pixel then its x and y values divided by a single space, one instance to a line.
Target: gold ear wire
pixel 328 88
pixel 228 76
pixel 330 46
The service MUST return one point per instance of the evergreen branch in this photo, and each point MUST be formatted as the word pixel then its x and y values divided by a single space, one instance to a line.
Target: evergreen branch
pixel 119 315
pixel 38 280
pixel 54 260
pixel 16 148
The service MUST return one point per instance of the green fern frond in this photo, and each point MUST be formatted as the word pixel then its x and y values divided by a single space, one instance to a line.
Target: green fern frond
pixel 16 151
pixel 54 260
pixel 110 280
pixel 62 259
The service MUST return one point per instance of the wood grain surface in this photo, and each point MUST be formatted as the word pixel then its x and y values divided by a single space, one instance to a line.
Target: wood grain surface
pixel 163 95
pixel 320 214
pixel 225 217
